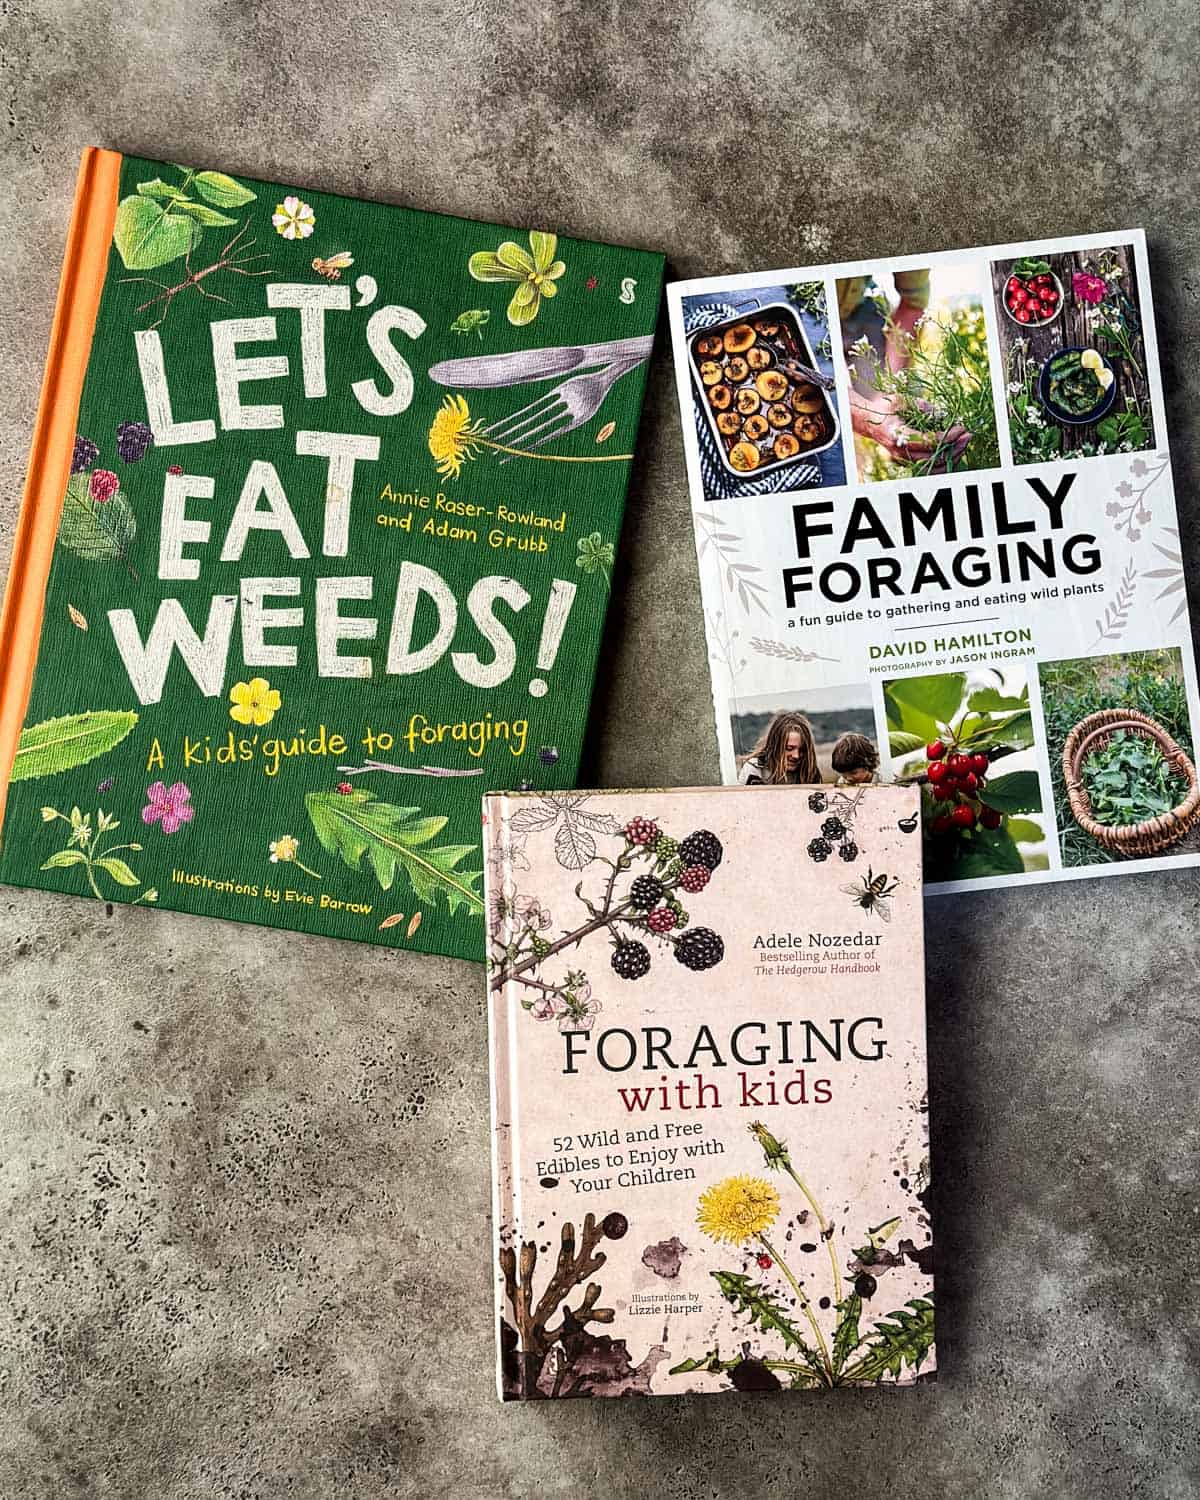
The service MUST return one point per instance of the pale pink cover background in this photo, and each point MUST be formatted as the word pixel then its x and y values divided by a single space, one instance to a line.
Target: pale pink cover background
pixel 852 1152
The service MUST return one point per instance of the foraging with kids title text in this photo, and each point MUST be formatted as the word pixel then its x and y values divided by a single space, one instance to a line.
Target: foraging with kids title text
pixel 938 546
pixel 691 1194
pixel 324 552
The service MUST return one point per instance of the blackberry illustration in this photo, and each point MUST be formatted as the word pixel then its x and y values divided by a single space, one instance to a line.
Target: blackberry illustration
pixel 631 960
pixel 645 892
pixel 615 1226
pixel 701 848
pixel 699 948
pixel 695 878
pixel 662 919
pixel 848 851
pixel 133 439
pixel 820 849
pixel 833 828
pixel 817 802
pixel 641 831
pixel 665 847
pixel 548 755
pixel 84 455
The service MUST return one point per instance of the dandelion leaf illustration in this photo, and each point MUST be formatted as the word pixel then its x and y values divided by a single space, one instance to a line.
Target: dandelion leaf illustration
pixel 57 745
pixel 395 839
pixel 847 1338
pixel 904 1337
pixel 94 530
pixel 765 1312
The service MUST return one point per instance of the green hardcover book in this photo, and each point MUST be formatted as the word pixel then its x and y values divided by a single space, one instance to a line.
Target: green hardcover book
pixel 316 547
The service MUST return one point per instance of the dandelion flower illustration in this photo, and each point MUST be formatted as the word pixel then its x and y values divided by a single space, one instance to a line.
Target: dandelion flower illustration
pixel 169 806
pixel 738 1208
pixel 284 851
pixel 293 218
pixel 535 270
pixel 454 438
pixel 254 702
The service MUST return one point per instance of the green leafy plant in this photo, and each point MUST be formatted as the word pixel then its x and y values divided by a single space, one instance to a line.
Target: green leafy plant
pixel 354 824
pixel 534 270
pixel 948 737
pixel 162 222
pixel 1128 781
pixel 89 848
pixel 63 743
pixel 741 1210
pixel 96 530
pixel 1149 681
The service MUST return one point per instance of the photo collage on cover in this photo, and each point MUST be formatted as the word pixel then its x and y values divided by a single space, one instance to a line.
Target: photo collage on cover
pixel 956 368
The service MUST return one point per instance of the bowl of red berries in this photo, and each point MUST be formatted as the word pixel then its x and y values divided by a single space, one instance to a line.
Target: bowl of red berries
pixel 1033 294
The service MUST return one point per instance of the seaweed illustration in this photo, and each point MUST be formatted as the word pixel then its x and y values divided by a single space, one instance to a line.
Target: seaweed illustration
pixel 72 740
pixel 740 1211
pixel 542 1358
pixel 91 848
pixel 352 824
pixel 630 906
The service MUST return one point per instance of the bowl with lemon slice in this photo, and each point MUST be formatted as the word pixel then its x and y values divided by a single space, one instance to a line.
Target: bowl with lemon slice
pixel 1077 386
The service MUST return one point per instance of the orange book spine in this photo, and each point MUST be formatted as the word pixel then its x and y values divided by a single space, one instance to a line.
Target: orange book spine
pixel 84 266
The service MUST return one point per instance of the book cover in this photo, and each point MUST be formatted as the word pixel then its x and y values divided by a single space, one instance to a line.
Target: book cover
pixel 316 545
pixel 710 1154
pixel 937 542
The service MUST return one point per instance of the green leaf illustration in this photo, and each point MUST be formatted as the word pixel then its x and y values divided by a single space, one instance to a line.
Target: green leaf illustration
pixel 147 235
pixel 97 531
pixel 222 191
pixel 61 744
pixel 395 838
pixel 1018 792
pixel 847 1338
pixel 157 188
pixel 903 1338
pixel 202 215
pixel 118 869
pixel 63 858
pixel 765 1311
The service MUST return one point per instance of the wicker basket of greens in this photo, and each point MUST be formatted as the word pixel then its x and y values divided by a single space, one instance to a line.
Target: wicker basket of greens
pixel 1130 786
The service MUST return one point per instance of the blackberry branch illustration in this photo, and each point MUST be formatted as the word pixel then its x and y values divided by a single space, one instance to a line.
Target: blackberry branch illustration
pixel 639 905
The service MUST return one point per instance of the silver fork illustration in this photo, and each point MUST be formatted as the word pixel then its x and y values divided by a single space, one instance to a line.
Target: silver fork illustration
pixel 556 412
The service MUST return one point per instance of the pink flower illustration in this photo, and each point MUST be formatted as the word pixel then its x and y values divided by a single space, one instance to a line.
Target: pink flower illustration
pixel 103 485
pixel 544 1007
pixel 170 806
pixel 1088 287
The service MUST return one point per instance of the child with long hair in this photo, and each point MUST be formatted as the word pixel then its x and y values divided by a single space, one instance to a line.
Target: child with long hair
pixel 785 754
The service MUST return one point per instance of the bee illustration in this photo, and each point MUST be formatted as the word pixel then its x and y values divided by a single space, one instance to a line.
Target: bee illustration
pixel 471 321
pixel 873 894
pixel 333 266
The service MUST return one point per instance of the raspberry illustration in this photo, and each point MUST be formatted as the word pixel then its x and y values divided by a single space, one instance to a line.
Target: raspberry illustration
pixel 133 439
pixel 848 851
pixel 84 455
pixel 763 1261
pixel 833 828
pixel 817 802
pixel 701 848
pixel 631 960
pixel 699 948
pixel 103 485
pixel 661 919
pixel 666 848
pixel 548 755
pixel 641 831
pixel 345 788
pixel 645 892
pixel 695 878
pixel 820 849
pixel 174 468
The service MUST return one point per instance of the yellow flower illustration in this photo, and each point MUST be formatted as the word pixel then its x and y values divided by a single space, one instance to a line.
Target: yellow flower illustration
pixel 737 1209
pixel 454 438
pixel 284 851
pixel 254 702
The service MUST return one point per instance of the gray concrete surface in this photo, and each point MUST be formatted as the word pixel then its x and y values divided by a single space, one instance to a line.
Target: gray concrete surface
pixel 243 1176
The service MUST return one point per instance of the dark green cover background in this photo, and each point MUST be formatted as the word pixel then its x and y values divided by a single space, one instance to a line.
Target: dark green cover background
pixel 419 261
